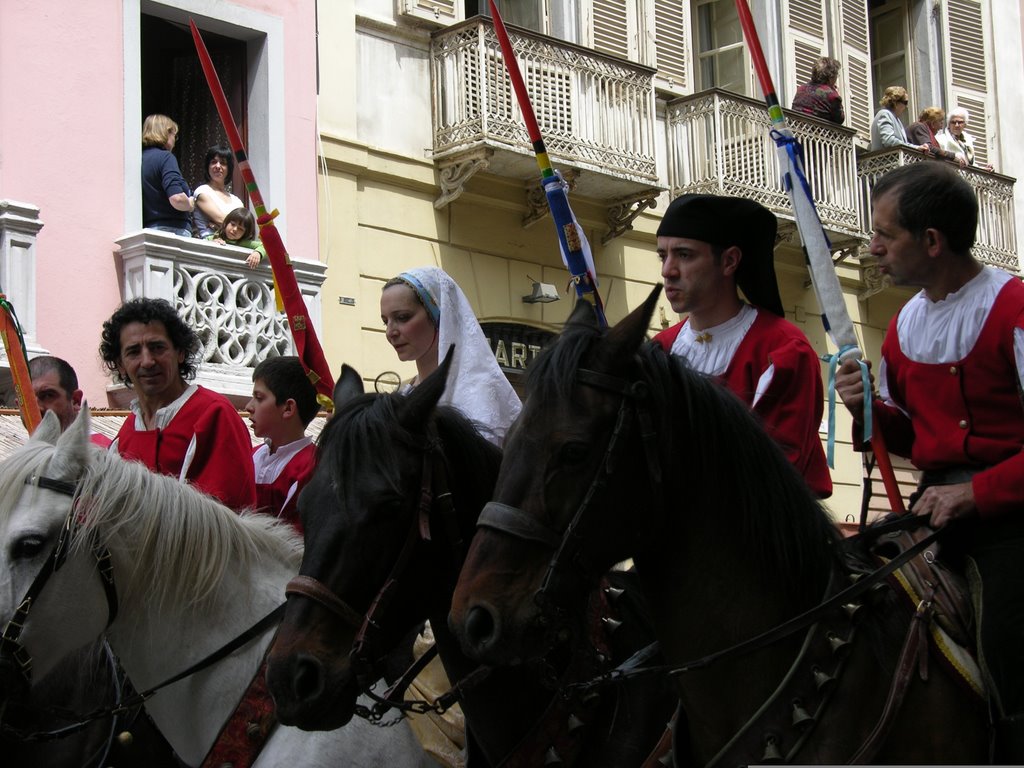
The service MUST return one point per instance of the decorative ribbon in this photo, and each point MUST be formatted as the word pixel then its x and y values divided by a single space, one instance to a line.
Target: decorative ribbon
pixel 572 241
pixel 307 344
pixel 833 363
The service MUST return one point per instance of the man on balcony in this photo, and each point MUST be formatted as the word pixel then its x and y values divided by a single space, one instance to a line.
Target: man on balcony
pixel 951 377
pixel 709 246
pixel 176 428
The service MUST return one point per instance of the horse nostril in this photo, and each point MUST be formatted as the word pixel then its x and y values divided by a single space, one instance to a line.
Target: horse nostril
pixel 308 679
pixel 480 626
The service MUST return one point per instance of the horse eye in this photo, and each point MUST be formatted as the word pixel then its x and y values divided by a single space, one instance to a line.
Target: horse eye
pixel 27 548
pixel 573 453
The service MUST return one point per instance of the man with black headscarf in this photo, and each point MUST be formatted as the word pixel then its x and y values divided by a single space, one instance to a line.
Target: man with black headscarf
pixel 709 247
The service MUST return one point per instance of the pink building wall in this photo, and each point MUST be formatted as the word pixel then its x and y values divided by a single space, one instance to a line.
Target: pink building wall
pixel 63 93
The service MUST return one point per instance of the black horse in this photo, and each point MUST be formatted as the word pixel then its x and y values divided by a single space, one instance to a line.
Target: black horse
pixel 388 514
pixel 622 451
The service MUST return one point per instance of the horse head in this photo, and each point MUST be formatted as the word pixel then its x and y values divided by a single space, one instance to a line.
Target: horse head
pixel 51 595
pixel 551 495
pixel 363 520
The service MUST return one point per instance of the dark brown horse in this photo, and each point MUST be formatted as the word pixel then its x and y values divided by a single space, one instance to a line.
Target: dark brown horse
pixel 622 451
pixel 393 503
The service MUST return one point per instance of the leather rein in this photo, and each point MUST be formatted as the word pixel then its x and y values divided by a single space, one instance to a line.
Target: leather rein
pixel 569 560
pixel 435 496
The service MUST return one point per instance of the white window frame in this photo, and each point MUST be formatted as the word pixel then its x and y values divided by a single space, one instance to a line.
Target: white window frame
pixel 264 35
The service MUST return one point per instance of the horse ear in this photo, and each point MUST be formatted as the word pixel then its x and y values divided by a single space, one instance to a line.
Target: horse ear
pixel 629 333
pixel 72 455
pixel 583 313
pixel 423 399
pixel 48 430
pixel 350 384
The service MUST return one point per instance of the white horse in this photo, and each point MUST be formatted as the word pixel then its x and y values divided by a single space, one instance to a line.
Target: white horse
pixel 189 574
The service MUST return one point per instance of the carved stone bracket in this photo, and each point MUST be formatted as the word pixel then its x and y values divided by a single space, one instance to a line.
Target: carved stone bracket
pixel 453 176
pixel 874 281
pixel 537 200
pixel 623 212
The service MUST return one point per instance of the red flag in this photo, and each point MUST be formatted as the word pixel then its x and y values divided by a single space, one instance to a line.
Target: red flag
pixel 14 345
pixel 307 344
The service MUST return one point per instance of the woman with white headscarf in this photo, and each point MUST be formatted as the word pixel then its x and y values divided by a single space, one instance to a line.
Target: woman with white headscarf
pixel 424 312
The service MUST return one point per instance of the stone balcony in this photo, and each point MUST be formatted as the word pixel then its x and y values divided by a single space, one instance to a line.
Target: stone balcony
pixel 996 242
pixel 230 306
pixel 720 143
pixel 596 114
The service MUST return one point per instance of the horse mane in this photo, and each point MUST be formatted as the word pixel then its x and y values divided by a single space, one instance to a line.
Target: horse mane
pixel 180 541
pixel 739 470
pixel 372 420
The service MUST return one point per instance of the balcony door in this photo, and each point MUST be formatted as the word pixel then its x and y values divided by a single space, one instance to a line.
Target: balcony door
pixel 890 36
pixel 722 59
pixel 173 84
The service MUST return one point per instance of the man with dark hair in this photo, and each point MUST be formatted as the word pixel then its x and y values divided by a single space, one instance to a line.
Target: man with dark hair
pixel 950 380
pixel 708 246
pixel 55 384
pixel 282 405
pixel 176 428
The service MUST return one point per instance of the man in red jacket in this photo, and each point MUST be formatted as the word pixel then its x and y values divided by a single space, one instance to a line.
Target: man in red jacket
pixel 176 428
pixel 950 378
pixel 709 246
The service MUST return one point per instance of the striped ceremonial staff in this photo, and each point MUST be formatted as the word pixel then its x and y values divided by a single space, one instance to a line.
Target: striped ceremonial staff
pixel 817 251
pixel 575 249
pixel 17 359
pixel 307 344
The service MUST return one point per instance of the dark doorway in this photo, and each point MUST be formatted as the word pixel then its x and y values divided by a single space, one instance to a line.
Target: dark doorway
pixel 173 84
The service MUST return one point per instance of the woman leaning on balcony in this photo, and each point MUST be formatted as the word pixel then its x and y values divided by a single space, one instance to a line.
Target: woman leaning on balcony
pixel 213 201
pixel 887 128
pixel 957 140
pixel 166 202
pixel 820 98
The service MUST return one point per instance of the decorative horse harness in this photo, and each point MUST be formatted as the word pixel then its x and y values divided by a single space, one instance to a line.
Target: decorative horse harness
pixel 13 653
pixel 434 494
pixel 821 640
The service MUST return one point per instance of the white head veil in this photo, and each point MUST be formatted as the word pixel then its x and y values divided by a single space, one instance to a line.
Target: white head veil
pixel 476 384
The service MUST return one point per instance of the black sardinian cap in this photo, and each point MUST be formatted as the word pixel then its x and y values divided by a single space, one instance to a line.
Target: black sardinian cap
pixel 726 221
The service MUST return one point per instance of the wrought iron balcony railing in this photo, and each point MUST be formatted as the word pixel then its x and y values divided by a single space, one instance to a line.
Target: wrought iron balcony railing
pixel 719 143
pixel 230 306
pixel 596 112
pixel 996 242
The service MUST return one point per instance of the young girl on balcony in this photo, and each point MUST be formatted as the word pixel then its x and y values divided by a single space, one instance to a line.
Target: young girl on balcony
pixel 239 228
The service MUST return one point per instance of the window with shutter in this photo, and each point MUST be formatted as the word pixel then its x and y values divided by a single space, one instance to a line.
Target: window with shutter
pixel 722 60
pixel 890 64
pixel 672 38
pixel 611 27
pixel 966 68
pixel 441 12
pixel 855 77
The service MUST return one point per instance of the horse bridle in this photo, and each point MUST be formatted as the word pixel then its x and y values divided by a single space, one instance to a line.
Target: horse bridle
pixel 569 565
pixel 12 651
pixel 435 493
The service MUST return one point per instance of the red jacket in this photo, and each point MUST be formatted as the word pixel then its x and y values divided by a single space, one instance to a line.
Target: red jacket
pixel 280 496
pixel 966 413
pixel 792 407
pixel 222 463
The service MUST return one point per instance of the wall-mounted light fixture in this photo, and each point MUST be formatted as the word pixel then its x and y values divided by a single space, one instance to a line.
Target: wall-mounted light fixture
pixel 543 293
